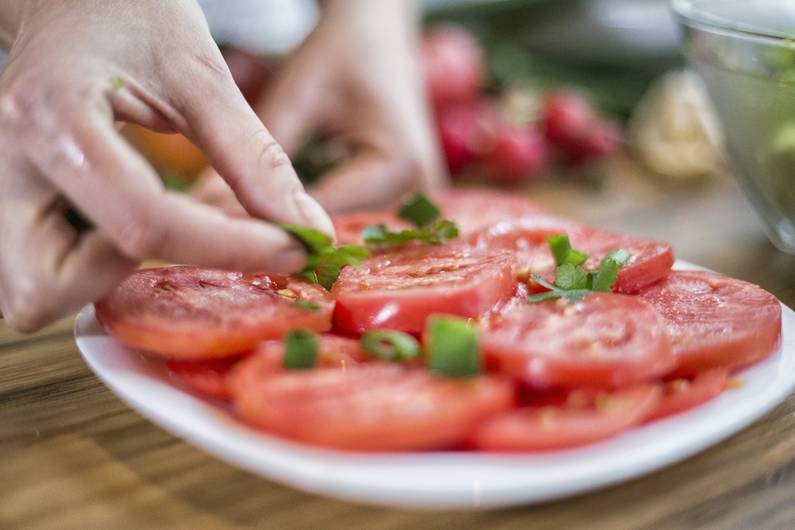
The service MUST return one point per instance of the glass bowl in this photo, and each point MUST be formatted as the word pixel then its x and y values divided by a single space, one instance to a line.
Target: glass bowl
pixel 745 53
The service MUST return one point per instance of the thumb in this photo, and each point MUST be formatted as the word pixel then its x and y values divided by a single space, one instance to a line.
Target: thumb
pixel 243 151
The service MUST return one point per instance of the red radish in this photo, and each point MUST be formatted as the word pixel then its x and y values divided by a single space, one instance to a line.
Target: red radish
pixel 517 156
pixel 603 140
pixel 454 65
pixel 465 132
pixel 568 118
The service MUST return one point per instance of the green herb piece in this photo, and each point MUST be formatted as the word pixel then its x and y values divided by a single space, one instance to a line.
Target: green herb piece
pixel 313 239
pixel 452 347
pixel 325 261
pixel 560 247
pixel 543 297
pixel 117 82
pixel 419 211
pixel 380 236
pixel 605 277
pixel 306 305
pixel 620 255
pixel 576 257
pixel 389 345
pixel 569 277
pixel 300 350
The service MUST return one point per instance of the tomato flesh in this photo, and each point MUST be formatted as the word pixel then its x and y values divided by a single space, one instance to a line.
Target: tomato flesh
pixel 363 406
pixel 606 340
pixel 400 289
pixel 584 419
pixel 476 208
pixel 680 395
pixel 528 239
pixel 349 226
pixel 208 378
pixel 715 321
pixel 190 313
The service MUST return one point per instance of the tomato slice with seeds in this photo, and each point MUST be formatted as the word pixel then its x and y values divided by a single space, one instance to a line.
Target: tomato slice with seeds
pixel 477 208
pixel 585 418
pixel 400 289
pixel 528 238
pixel 191 313
pixel 679 395
pixel 208 377
pixel 349 226
pixel 606 340
pixel 371 406
pixel 715 321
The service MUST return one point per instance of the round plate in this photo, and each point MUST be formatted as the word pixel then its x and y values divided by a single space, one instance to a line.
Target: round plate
pixel 438 479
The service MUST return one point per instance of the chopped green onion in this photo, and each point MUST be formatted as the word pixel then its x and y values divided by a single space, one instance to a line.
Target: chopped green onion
pixel 576 257
pixel 389 345
pixel 419 210
pixel 300 350
pixel 560 247
pixel 306 305
pixel 452 347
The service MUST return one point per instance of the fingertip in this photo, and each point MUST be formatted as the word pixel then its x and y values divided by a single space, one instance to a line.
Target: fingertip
pixel 313 213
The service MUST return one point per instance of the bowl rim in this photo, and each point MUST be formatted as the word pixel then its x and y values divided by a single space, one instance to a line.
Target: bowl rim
pixel 693 11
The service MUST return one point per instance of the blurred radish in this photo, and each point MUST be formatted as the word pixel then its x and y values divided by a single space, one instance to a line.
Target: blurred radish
pixel 466 131
pixel 517 156
pixel 567 118
pixel 454 65
pixel 603 140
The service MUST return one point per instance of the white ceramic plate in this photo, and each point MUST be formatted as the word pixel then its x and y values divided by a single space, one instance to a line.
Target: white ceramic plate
pixel 442 479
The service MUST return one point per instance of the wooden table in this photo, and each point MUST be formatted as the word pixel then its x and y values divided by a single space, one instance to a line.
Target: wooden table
pixel 73 456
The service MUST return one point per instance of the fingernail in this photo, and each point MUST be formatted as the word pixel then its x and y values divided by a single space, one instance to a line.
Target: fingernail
pixel 314 215
pixel 289 261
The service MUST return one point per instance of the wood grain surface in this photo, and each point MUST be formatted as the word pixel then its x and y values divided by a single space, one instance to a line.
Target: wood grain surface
pixel 73 456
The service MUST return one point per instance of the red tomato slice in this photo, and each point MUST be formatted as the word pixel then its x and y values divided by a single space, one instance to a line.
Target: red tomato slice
pixel 367 407
pixel 400 289
pixel 650 261
pixel 595 417
pixel 478 208
pixel 528 238
pixel 205 377
pixel 716 321
pixel 190 313
pixel 680 395
pixel 606 340
pixel 349 226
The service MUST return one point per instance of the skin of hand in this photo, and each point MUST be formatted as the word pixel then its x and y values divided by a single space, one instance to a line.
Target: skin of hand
pixel 74 68
pixel 357 76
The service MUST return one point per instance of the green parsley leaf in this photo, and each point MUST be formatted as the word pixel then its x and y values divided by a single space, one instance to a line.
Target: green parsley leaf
pixel 569 277
pixel 380 236
pixel 306 305
pixel 389 345
pixel 313 239
pixel 300 350
pixel 620 256
pixel 452 347
pixel 543 297
pixel 419 210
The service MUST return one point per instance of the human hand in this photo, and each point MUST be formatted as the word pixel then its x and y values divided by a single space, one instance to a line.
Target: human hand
pixel 358 77
pixel 75 67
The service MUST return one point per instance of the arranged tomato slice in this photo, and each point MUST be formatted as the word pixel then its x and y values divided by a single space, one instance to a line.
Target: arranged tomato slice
pixel 400 289
pixel 207 377
pixel 585 418
pixel 528 239
pixel 191 313
pixel 349 226
pixel 650 260
pixel 606 340
pixel 679 395
pixel 372 406
pixel 475 209
pixel 716 321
